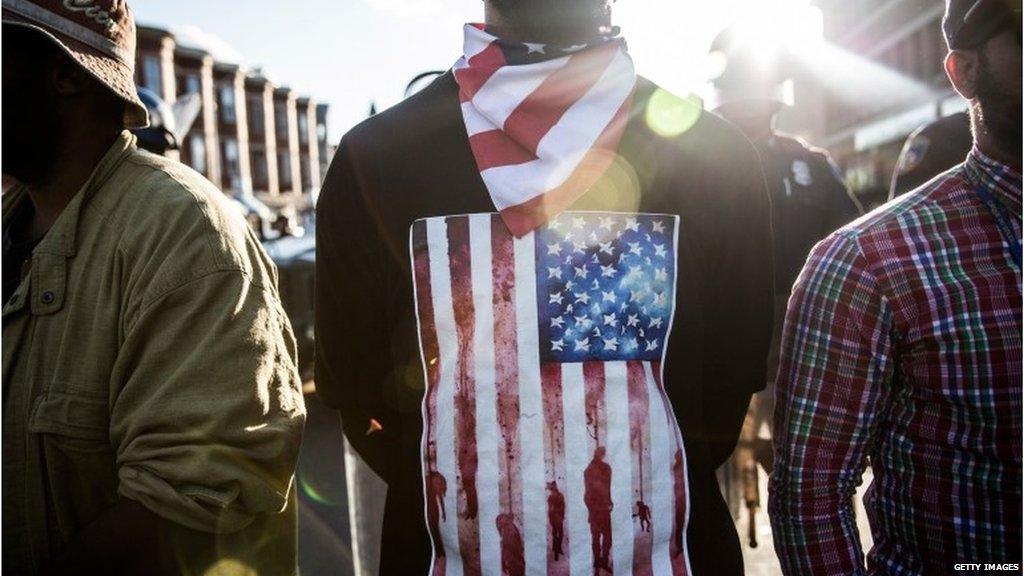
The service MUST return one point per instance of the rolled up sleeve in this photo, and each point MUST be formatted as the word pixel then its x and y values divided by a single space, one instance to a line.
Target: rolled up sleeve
pixel 206 403
pixel 832 392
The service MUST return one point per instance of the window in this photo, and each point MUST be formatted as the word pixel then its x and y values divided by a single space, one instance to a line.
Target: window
pixel 321 132
pixel 192 85
pixel 232 174
pixel 197 153
pixel 281 121
pixel 254 105
pixel 304 171
pixel 284 169
pixel 259 170
pixel 303 129
pixel 227 104
pixel 151 77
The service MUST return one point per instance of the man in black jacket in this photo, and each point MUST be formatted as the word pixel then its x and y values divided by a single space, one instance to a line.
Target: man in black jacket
pixel 414 164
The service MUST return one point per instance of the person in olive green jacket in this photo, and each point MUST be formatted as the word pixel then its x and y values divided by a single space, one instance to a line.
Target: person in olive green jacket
pixel 152 410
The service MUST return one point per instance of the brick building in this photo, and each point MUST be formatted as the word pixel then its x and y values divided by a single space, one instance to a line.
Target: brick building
pixel 252 135
pixel 904 38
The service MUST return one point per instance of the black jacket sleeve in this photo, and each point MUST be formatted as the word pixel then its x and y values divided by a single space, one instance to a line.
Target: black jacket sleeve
pixel 352 329
pixel 735 237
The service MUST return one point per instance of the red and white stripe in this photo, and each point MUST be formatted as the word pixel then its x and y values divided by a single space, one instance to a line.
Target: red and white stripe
pixel 500 424
pixel 542 133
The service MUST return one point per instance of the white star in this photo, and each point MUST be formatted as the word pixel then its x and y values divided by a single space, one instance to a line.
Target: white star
pixel 655 323
pixel 659 250
pixel 611 344
pixel 555 273
pixel 555 249
pixel 554 224
pixel 607 248
pixel 569 285
pixel 593 236
pixel 632 224
pixel 608 271
pixel 556 298
pixel 583 322
pixel 568 310
pixel 636 295
pixel 583 345
pixel 610 320
pixel 652 345
pixel 634 248
pixel 658 226
pixel 623 307
pixel 532 47
pixel 557 345
pixel 607 222
pixel 660 299
pixel 582 297
pixel 568 236
pixel 634 270
pixel 557 322
pixel 581 271
pixel 633 320
pixel 579 247
pixel 578 223
pixel 568 260
pixel 661 274
pixel 632 344
pixel 595 285
pixel 608 296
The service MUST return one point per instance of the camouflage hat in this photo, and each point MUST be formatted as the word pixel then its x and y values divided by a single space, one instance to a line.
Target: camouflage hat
pixel 98 34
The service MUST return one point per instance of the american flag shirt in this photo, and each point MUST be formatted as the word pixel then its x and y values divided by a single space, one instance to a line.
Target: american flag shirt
pixel 549 445
pixel 902 349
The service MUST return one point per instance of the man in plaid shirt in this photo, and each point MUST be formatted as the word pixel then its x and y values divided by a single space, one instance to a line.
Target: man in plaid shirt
pixel 902 347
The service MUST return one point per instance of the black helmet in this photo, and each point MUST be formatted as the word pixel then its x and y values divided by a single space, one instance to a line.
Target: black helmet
pixel 749 66
pixel 159 136
pixel 931 150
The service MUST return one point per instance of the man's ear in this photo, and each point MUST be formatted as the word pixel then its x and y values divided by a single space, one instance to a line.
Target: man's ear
pixel 962 68
pixel 67 77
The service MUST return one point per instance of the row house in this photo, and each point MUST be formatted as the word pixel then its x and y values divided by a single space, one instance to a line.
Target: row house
pixel 252 134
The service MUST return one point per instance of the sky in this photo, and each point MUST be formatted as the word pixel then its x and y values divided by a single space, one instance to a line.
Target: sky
pixel 350 53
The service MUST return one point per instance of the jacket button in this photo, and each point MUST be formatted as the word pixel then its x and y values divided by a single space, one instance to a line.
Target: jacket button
pixel 48 297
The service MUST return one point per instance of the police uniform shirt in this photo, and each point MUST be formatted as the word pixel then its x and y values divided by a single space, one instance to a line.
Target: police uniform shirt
pixel 809 201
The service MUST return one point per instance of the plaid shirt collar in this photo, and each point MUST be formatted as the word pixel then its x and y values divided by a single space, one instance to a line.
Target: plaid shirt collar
pixel 1000 179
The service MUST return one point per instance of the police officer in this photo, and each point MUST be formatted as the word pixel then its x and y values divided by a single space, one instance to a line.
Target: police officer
pixel 931 150
pixel 809 200
pixel 161 134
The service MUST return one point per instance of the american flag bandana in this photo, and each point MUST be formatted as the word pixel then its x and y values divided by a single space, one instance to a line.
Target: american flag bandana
pixel 549 445
pixel 543 121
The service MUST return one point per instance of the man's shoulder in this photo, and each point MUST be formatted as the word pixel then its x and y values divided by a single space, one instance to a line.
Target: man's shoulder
pixel 433 109
pixel 881 231
pixel 696 146
pixel 166 207
pixel 682 122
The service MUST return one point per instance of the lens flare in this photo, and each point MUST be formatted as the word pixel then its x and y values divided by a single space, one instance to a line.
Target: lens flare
pixel 668 115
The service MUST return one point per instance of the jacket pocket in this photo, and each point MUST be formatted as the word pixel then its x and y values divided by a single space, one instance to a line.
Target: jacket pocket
pixel 80 472
pixel 73 421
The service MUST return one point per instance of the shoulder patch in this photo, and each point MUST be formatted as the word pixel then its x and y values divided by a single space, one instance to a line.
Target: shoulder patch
pixel 913 153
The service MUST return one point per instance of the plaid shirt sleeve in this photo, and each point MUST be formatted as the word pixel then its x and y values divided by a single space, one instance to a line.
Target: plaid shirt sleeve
pixel 831 392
